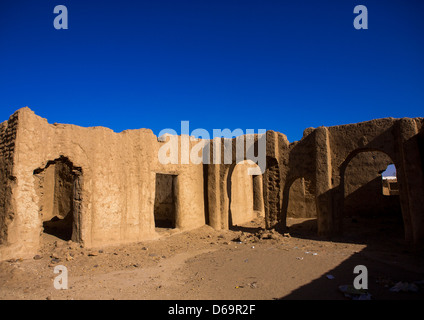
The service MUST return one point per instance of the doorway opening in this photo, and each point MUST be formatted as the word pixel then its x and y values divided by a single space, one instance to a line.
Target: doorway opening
pixel 59 189
pixel 301 217
pixel 389 181
pixel 372 210
pixel 165 209
pixel 246 204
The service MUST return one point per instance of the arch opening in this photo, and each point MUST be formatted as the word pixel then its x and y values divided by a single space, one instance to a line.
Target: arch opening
pixel 371 210
pixel 246 204
pixel 301 216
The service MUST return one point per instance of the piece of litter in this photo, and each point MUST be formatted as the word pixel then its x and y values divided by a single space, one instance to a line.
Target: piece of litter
pixel 253 285
pixel 365 296
pixel 349 291
pixel 313 253
pixel 329 276
pixel 299 258
pixel 405 287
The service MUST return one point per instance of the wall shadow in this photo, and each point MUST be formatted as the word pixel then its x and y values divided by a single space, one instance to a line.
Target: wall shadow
pixel 381 277
pixel 388 258
pixel 368 200
pixel 251 230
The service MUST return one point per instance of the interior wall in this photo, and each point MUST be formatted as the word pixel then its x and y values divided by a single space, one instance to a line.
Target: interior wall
pixel 258 199
pixel 301 200
pixel 242 196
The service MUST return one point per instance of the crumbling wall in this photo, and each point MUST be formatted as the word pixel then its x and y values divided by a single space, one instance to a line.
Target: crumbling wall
pixel 322 157
pixel 116 188
pixel 272 192
pixel 8 130
pixel 398 138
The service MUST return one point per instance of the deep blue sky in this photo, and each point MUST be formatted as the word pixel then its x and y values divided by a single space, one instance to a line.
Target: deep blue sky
pixel 275 65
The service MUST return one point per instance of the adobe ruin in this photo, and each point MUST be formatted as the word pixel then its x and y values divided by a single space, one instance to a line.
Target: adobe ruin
pixel 98 187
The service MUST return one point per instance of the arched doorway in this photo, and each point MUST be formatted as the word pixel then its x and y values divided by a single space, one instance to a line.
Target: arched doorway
pixel 370 213
pixel 58 186
pixel 300 208
pixel 245 194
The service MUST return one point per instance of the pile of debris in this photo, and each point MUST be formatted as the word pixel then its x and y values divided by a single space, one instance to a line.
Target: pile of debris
pixel 245 237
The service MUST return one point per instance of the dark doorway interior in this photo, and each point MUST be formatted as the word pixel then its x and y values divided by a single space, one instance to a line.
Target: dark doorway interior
pixel 165 200
pixel 372 210
pixel 56 185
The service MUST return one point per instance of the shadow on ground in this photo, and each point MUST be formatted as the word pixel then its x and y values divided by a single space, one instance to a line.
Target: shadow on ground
pixel 388 259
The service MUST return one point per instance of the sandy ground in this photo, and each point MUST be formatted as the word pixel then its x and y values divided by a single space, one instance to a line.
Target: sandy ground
pixel 243 263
